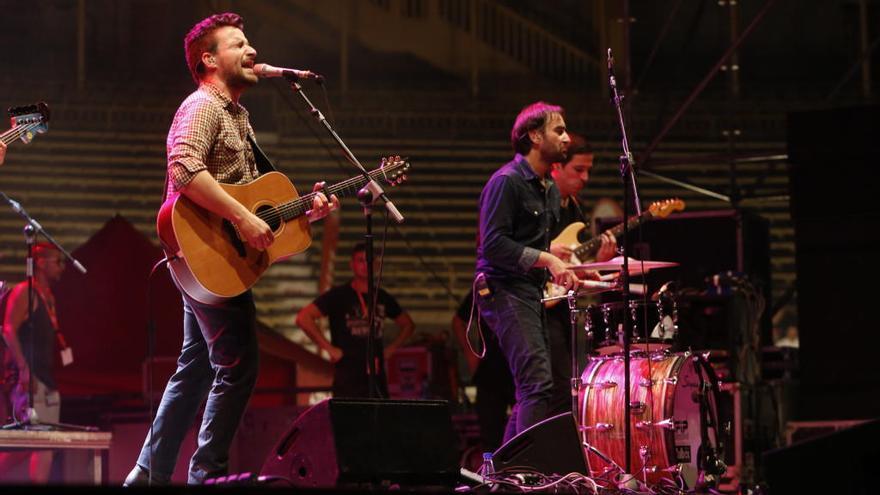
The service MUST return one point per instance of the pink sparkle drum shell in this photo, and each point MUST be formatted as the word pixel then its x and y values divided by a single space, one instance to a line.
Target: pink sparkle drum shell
pixel 665 425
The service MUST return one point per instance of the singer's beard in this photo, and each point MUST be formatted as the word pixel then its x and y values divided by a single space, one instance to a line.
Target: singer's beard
pixel 242 81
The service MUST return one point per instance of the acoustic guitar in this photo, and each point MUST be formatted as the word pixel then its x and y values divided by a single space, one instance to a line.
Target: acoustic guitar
pixel 208 257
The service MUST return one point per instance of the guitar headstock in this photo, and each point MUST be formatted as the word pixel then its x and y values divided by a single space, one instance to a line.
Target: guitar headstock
pixel 662 209
pixel 394 169
pixel 34 118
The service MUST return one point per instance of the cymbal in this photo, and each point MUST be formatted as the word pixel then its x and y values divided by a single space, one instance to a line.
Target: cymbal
pixel 616 264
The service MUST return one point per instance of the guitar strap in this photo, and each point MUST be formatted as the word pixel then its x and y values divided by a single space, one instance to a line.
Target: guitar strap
pixel 264 165
pixel 577 205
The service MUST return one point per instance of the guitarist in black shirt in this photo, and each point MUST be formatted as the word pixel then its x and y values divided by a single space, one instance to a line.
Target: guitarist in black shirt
pixel 570 176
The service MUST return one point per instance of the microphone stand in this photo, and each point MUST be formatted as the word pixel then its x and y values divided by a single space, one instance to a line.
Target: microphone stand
pixel 368 195
pixel 31 229
pixel 629 185
pixel 576 381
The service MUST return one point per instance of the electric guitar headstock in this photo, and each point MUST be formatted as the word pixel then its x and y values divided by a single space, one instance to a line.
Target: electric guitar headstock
pixel 664 208
pixel 26 122
pixel 394 169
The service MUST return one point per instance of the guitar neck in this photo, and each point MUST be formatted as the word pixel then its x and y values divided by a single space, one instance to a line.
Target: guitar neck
pixel 590 247
pixel 8 137
pixel 299 206
pixel 12 134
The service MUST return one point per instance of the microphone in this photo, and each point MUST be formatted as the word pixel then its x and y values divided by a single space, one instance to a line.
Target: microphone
pixel 266 70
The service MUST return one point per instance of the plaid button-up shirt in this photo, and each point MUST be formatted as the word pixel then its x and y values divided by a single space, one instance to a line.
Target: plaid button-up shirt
pixel 209 132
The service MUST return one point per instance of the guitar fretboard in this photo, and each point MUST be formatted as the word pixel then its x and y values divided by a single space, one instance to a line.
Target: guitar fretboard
pixel 590 247
pixel 297 207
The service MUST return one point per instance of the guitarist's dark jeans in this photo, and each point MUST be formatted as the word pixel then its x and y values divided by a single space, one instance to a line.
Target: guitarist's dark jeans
pixel 219 359
pixel 516 315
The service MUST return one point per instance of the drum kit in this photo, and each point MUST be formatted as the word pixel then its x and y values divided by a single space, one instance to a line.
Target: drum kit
pixel 646 412
pixel 673 436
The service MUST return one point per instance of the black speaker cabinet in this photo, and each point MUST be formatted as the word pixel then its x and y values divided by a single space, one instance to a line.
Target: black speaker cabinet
pixel 834 155
pixel 550 447
pixel 368 443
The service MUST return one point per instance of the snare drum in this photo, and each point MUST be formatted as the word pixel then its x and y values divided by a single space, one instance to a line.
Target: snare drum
pixel 666 419
pixel 605 323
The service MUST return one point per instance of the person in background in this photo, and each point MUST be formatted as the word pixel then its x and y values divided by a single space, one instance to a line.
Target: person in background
pixel 32 342
pixel 571 177
pixel 346 307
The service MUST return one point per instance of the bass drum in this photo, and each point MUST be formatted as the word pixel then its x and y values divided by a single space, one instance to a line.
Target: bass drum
pixel 670 411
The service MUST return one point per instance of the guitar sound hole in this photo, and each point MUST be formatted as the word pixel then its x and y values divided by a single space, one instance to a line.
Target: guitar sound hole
pixel 271 218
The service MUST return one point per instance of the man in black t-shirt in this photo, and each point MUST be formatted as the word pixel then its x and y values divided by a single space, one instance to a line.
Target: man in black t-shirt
pixel 571 176
pixel 346 308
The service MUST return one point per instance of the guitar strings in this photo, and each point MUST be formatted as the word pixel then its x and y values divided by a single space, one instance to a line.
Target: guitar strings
pixel 298 206
pixel 11 135
pixel 16 132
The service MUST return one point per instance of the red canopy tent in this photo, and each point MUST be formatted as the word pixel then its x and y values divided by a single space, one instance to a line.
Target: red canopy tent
pixel 104 317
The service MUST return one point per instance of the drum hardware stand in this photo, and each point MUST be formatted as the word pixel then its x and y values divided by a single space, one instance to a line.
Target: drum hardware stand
pixel 601 455
pixel 709 461
pixel 576 381
pixel 368 195
pixel 645 456
pixel 31 229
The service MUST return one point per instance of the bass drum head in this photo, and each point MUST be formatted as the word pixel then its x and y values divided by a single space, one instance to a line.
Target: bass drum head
pixel 693 383
pixel 666 424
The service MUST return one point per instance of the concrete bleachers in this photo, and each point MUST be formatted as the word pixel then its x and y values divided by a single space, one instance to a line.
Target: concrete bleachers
pixel 74 180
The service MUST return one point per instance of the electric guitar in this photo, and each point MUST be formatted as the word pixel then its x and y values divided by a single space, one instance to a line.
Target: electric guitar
pixel 587 250
pixel 208 257
pixel 27 121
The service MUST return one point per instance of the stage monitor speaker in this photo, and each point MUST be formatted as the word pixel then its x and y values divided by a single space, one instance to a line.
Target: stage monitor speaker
pixel 842 462
pixel 552 446
pixel 368 443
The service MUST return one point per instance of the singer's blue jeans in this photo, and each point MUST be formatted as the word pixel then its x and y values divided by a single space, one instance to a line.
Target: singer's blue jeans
pixel 516 315
pixel 218 360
